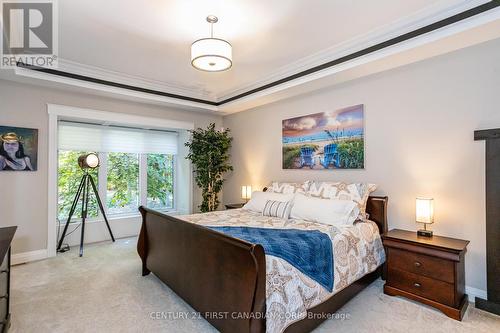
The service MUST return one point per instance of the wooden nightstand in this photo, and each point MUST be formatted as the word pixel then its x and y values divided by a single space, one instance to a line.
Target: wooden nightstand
pixel 235 206
pixel 430 270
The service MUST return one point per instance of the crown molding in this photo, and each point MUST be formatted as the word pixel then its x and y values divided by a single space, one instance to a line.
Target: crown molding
pixel 422 18
pixel 60 78
pixel 100 73
pixel 425 28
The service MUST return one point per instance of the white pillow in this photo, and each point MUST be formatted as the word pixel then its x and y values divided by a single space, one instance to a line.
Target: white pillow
pixel 259 199
pixel 357 192
pixel 327 211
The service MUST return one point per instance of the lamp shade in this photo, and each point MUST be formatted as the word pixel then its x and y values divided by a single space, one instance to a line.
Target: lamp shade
pixel 246 192
pixel 425 210
pixel 211 54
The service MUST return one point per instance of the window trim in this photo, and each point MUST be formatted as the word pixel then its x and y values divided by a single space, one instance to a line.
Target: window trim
pixel 63 112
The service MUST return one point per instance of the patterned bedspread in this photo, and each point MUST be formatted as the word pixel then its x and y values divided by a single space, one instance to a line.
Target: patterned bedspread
pixel 357 251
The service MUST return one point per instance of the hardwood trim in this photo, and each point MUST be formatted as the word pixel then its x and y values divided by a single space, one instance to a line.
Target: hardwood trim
pixel 492 136
pixel 493 219
pixel 486 305
pixel 396 40
pixel 488 134
pixel 447 310
pixel 6 324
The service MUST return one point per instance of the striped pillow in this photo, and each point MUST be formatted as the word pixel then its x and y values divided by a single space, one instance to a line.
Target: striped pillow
pixel 279 209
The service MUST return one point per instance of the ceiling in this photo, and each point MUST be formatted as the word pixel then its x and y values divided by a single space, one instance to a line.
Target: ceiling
pixel 151 39
pixel 140 50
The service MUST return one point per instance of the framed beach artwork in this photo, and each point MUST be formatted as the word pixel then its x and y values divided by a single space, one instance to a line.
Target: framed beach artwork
pixel 18 149
pixel 326 140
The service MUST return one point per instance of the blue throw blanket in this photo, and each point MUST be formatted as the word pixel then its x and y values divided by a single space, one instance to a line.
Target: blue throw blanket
pixel 310 251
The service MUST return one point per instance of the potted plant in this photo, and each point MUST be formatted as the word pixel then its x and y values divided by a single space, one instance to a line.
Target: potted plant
pixel 209 154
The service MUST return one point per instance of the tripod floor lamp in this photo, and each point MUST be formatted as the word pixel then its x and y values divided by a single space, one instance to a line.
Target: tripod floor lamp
pixel 86 162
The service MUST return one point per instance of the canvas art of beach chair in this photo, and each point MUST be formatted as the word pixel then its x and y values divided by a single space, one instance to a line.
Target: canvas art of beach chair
pixel 306 157
pixel 331 156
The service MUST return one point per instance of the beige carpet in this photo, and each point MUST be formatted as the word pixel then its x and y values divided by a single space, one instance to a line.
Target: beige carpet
pixel 105 292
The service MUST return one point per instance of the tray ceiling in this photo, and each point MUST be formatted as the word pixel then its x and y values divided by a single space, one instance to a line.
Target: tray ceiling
pixel 151 39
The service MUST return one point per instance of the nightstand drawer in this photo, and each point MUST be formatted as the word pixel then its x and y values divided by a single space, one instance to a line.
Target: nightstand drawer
pixel 422 264
pixel 436 290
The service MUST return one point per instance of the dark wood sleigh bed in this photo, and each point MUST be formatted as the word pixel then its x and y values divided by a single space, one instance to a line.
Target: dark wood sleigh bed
pixel 224 278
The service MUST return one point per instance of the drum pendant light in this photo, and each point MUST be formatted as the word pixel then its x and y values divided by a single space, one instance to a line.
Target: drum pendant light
pixel 211 54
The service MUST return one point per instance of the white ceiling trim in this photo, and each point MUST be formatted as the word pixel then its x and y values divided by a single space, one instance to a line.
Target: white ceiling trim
pixel 246 102
pixel 136 95
pixel 132 80
pixel 67 112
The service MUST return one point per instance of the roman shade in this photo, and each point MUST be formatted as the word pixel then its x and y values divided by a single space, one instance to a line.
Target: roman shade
pixel 109 139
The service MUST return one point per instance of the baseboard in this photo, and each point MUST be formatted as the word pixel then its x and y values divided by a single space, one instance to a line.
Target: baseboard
pixel 475 292
pixel 24 257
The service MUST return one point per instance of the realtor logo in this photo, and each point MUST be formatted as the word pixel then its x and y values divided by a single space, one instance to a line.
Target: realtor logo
pixel 29 33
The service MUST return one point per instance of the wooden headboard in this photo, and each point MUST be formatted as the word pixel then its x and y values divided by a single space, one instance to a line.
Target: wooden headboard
pixel 376 207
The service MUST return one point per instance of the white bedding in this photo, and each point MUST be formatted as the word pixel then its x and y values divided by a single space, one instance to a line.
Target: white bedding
pixel 357 251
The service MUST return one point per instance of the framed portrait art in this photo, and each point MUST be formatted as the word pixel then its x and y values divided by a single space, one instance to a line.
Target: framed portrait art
pixel 18 149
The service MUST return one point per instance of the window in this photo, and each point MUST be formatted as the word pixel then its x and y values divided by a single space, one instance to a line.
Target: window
pixel 131 173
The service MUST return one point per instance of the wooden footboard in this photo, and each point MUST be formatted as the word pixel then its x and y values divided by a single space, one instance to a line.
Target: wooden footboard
pixel 221 277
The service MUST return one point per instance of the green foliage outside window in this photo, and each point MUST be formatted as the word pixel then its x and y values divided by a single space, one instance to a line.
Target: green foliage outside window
pixel 160 180
pixel 69 179
pixel 123 183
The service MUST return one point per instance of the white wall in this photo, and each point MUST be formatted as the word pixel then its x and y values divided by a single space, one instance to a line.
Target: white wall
pixel 419 129
pixel 24 194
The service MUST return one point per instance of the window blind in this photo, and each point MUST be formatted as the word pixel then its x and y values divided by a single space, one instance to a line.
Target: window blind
pixel 112 139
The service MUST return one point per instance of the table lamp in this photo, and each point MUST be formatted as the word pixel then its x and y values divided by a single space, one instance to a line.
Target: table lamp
pixel 246 192
pixel 425 215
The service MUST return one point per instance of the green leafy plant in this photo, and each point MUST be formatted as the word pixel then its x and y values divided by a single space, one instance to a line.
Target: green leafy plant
pixel 209 154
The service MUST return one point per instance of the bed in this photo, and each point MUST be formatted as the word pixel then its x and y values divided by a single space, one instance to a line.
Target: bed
pixel 238 288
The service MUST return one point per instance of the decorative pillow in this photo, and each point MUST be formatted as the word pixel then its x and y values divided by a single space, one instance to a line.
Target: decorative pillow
pixel 259 200
pixel 279 209
pixel 327 211
pixel 357 192
pixel 287 188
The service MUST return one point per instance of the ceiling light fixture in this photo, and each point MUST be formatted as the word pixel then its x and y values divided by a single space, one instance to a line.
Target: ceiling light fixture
pixel 211 54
